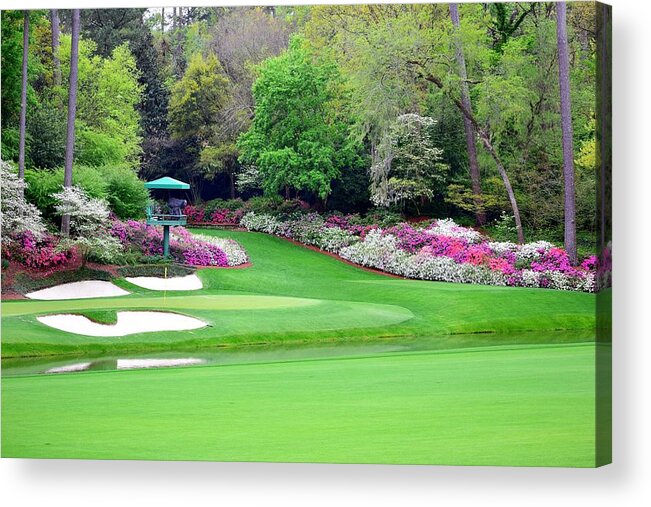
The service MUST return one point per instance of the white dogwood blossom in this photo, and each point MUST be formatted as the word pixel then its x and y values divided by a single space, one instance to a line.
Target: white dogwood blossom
pixel 89 224
pixel 17 214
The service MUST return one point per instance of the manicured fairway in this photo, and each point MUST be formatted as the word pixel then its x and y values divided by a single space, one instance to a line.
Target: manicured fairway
pixel 506 405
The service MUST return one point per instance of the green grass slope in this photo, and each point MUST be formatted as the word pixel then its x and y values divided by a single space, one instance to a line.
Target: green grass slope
pixel 293 294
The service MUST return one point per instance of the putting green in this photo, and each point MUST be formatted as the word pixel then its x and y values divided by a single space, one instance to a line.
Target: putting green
pixel 204 302
pixel 225 315
pixel 528 405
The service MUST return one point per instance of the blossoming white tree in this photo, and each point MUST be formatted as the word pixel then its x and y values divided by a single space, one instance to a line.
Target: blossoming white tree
pixel 89 224
pixel 17 214
pixel 410 168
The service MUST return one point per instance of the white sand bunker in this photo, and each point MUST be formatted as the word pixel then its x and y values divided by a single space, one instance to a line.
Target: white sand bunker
pixel 190 282
pixel 127 323
pixel 79 290
pixel 131 364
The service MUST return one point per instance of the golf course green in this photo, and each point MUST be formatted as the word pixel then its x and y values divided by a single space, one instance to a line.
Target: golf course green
pixel 488 391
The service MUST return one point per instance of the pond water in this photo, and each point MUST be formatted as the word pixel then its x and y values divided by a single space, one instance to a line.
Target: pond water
pixel 280 353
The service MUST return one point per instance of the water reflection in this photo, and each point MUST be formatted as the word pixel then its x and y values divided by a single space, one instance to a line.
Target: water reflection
pixel 293 352
pixel 125 364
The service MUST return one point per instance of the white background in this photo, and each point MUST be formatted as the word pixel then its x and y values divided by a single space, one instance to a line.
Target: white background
pixel 627 482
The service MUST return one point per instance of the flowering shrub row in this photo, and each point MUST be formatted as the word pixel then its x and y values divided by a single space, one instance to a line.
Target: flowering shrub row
pixel 475 264
pixel 442 251
pixel 231 212
pixel 310 229
pixel 186 248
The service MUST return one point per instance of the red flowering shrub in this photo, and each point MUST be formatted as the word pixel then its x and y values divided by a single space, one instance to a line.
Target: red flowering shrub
pixel 195 214
pixel 37 253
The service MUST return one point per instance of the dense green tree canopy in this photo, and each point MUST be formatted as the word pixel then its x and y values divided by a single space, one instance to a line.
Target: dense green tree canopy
pixel 197 98
pixel 300 135
pixel 215 94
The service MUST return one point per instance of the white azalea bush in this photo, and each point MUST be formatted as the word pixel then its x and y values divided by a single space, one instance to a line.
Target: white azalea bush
pixel 333 239
pixel 426 267
pixel 261 222
pixel 449 228
pixel 503 247
pixel 532 251
pixel 25 239
pixel 378 251
pixel 310 229
pixel 235 253
pixel 304 228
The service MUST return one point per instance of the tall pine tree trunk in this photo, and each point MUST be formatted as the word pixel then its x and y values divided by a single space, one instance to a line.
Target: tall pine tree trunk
pixel 54 21
pixel 177 50
pixel 23 99
pixel 72 110
pixel 475 177
pixel 567 133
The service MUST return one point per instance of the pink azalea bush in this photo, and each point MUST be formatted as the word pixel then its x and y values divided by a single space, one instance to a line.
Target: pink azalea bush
pixel 195 214
pixel 146 239
pixel 36 252
pixel 226 216
pixel 218 216
pixel 203 254
pixel 186 248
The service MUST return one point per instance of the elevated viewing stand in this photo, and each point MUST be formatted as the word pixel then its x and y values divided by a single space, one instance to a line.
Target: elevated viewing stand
pixel 175 217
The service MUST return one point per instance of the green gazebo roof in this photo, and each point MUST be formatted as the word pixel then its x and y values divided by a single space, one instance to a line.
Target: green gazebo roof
pixel 167 183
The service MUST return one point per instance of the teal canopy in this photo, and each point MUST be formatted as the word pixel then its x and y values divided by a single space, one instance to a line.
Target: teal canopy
pixel 167 183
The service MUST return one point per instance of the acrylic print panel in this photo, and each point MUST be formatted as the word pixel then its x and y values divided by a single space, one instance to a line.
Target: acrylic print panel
pixel 340 234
